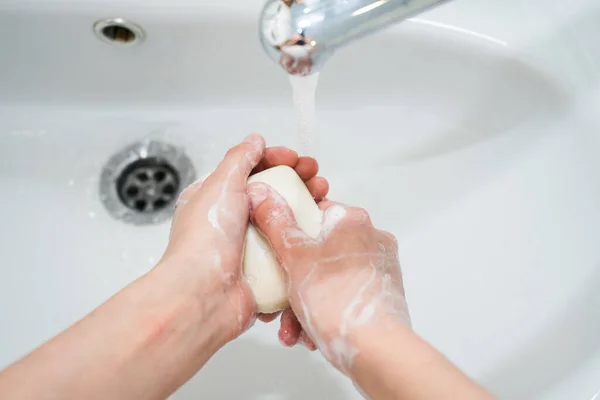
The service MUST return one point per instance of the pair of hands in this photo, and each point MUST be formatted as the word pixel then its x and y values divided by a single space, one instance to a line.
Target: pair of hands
pixel 346 279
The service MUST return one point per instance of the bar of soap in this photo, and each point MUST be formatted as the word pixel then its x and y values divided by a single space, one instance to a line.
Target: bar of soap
pixel 262 271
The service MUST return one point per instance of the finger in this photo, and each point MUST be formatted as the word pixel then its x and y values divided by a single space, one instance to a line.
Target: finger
pixel 273 217
pixel 242 158
pixel 266 318
pixel 290 330
pixel 275 156
pixel 318 187
pixel 326 204
pixel 306 168
pixel 307 342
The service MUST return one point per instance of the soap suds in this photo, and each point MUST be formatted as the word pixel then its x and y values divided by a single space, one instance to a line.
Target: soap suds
pixel 258 193
pixel 374 298
pixel 347 317
pixel 344 354
pixel 296 237
pixel 220 204
pixel 309 325
pixel 342 350
pixel 213 217
pixel 217 260
pixel 277 198
pixel 331 217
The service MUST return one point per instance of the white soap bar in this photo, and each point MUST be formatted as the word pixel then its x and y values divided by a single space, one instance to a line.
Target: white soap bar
pixel 263 273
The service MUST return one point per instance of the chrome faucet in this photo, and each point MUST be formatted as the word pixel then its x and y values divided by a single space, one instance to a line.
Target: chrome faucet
pixel 301 34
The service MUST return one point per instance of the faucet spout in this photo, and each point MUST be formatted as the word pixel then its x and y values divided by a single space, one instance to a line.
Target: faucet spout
pixel 301 34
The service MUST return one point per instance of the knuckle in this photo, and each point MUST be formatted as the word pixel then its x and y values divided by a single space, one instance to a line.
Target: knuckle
pixel 186 194
pixel 359 214
pixel 234 151
pixel 362 211
pixel 389 239
pixel 239 150
pixel 326 204
pixel 275 214
pixel 271 210
pixel 244 154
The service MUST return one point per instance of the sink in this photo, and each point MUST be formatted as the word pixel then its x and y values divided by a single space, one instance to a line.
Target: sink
pixel 471 132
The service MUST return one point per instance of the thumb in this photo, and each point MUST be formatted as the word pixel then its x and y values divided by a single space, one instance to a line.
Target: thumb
pixel 239 161
pixel 272 215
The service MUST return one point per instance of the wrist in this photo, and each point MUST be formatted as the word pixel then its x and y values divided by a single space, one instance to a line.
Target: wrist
pixel 361 345
pixel 394 362
pixel 190 303
pixel 373 346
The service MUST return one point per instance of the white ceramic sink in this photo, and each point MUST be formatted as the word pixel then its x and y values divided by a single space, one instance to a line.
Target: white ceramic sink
pixel 471 132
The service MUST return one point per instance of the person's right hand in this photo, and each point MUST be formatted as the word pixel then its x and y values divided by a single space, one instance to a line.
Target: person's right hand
pixel 345 281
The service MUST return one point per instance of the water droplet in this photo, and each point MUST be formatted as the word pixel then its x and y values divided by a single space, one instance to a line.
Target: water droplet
pixel 92 214
pixel 71 182
pixel 151 260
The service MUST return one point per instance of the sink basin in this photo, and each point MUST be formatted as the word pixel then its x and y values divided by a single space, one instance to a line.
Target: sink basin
pixel 471 132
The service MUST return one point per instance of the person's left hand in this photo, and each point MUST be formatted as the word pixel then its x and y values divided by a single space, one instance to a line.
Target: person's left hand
pixel 209 228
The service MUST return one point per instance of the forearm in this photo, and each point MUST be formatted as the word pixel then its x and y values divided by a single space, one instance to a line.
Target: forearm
pixel 144 342
pixel 395 363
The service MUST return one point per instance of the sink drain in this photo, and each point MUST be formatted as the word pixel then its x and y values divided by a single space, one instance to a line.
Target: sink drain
pixel 148 185
pixel 140 184
pixel 119 31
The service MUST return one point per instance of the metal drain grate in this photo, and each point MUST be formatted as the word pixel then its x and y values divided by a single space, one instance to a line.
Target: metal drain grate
pixel 148 185
pixel 140 184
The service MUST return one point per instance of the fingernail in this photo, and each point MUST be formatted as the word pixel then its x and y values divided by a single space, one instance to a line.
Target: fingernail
pixel 258 193
pixel 284 338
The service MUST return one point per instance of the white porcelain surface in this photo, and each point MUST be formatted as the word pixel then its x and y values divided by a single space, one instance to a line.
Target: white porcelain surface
pixel 472 133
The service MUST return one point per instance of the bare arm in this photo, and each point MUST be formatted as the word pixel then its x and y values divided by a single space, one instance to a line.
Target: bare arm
pixel 395 363
pixel 141 344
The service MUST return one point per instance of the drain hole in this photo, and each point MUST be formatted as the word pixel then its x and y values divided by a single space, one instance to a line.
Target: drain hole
pixel 160 203
pixel 169 189
pixel 118 33
pixel 159 175
pixel 140 205
pixel 132 191
pixel 148 185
